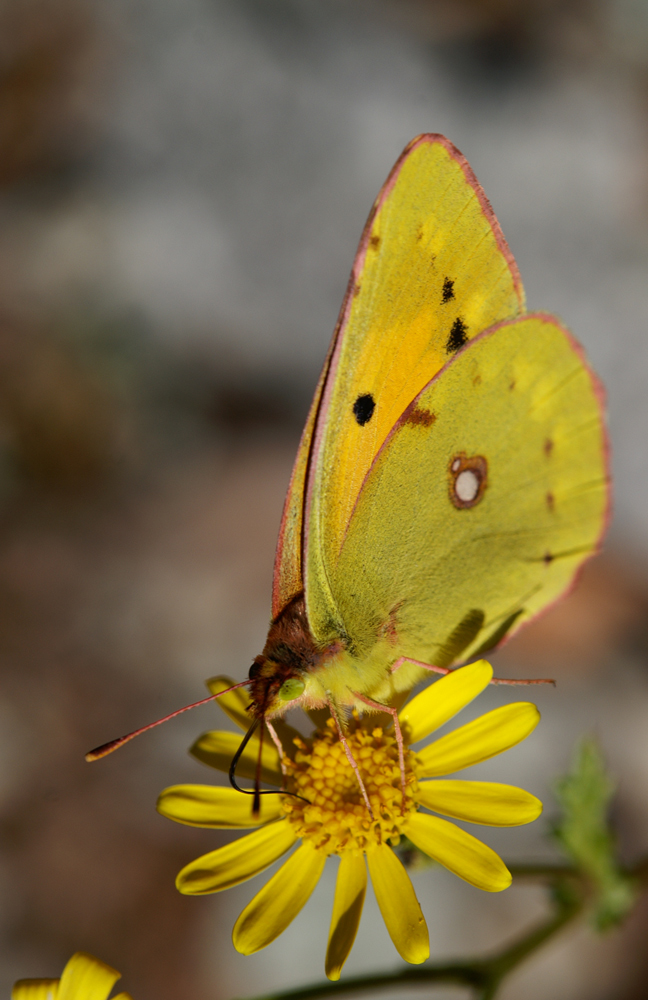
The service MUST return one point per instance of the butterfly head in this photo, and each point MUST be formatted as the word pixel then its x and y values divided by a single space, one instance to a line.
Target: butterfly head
pixel 273 686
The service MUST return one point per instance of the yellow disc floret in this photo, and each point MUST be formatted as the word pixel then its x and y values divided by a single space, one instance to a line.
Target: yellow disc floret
pixel 335 818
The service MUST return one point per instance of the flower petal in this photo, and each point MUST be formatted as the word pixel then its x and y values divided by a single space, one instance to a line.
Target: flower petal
pixel 458 851
pixel 218 808
pixel 85 976
pixel 443 699
pixel 280 900
pixel 350 891
pixel 236 705
pixel 216 749
pixel 35 989
pixel 485 737
pixel 236 862
pixel 480 802
pixel 398 904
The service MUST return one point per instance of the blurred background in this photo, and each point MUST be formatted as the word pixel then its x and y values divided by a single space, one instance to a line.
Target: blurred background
pixel 182 187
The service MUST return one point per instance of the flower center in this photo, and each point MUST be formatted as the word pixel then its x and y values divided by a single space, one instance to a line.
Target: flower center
pixel 335 818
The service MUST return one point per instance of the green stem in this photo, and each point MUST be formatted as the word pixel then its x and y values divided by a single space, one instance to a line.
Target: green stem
pixel 568 893
pixel 459 973
pixel 483 975
pixel 568 899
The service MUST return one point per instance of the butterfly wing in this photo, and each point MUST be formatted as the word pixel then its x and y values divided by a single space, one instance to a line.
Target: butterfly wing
pixel 287 580
pixel 489 493
pixel 432 270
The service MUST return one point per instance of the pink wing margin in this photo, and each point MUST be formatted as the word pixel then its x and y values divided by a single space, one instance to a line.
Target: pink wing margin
pixel 290 557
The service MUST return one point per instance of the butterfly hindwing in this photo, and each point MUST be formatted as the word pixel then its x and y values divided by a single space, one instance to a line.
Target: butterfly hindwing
pixel 489 493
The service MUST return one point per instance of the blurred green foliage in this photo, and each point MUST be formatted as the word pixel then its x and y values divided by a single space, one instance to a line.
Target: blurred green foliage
pixel 583 832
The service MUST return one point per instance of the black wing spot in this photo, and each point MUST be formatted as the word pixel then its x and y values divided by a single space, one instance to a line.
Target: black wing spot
pixel 458 336
pixel 363 408
pixel 448 290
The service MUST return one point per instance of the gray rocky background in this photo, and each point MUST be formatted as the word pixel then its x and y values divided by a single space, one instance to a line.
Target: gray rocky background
pixel 182 186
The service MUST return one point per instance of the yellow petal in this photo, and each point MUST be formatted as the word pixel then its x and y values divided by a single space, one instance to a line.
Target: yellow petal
pixel 35 989
pixel 218 748
pixel 279 902
pixel 480 802
pixel 486 736
pixel 443 699
pixel 350 891
pixel 86 977
pixel 398 904
pixel 236 862
pixel 459 851
pixel 218 808
pixel 235 704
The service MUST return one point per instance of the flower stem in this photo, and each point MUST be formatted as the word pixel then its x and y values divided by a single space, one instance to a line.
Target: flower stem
pixel 569 892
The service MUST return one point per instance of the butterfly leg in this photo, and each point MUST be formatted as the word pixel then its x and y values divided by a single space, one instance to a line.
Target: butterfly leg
pixel 447 670
pixel 417 663
pixel 397 731
pixel 347 749
pixel 523 681
pixel 277 742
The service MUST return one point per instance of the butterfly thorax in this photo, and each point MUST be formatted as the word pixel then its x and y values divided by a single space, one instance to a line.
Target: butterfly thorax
pixel 289 655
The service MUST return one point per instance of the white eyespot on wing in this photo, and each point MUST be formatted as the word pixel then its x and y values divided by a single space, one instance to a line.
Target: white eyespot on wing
pixel 468 478
pixel 466 486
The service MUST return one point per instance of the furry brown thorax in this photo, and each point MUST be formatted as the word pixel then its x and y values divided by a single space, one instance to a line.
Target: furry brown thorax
pixel 290 652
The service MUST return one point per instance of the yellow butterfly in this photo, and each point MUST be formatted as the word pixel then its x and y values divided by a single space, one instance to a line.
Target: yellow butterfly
pixel 452 475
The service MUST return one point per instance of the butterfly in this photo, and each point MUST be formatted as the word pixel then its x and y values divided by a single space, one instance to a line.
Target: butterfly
pixel 452 476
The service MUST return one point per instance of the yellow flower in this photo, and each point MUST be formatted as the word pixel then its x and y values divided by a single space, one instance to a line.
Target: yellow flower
pixel 334 818
pixel 84 978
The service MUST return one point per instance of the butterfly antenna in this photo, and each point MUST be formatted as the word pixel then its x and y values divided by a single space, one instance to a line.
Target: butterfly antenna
pixel 107 748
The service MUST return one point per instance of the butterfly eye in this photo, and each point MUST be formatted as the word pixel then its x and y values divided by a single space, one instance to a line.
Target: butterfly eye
pixel 291 689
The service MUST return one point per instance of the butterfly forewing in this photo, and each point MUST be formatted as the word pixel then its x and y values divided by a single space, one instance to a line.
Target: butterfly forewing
pixel 432 271
pixel 287 579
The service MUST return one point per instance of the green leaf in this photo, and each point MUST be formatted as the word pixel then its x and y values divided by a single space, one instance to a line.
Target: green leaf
pixel 584 834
